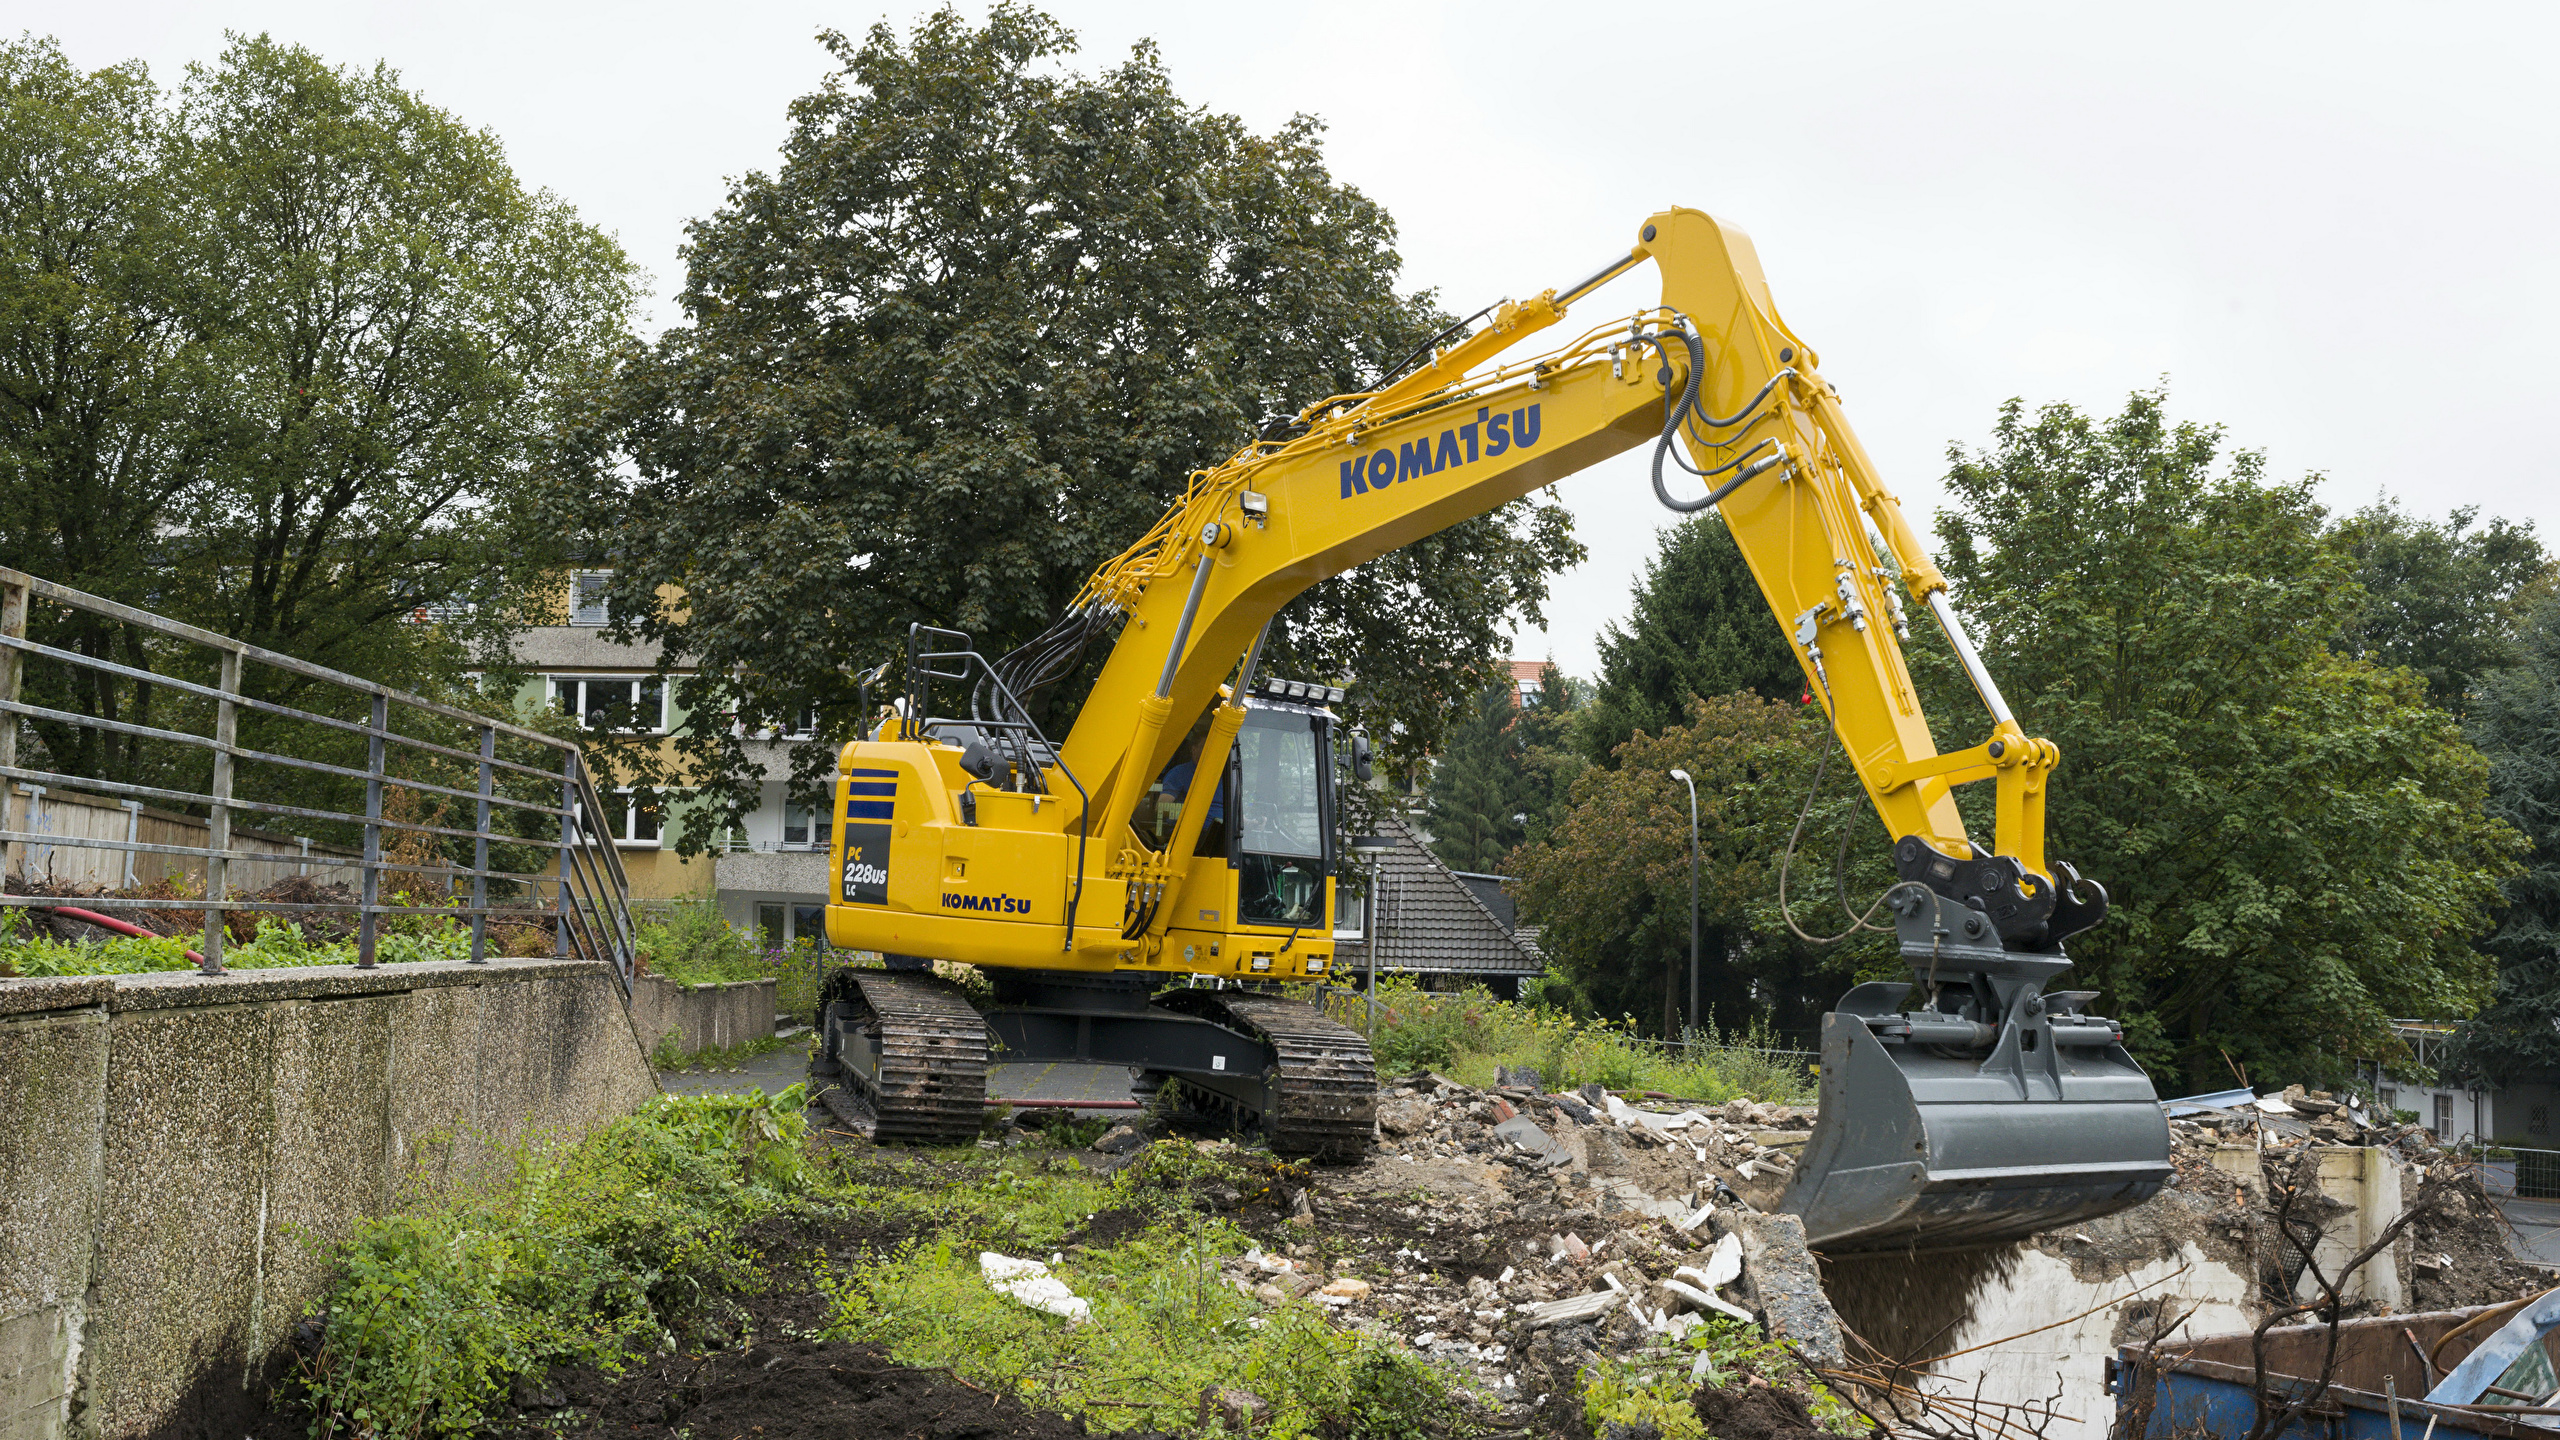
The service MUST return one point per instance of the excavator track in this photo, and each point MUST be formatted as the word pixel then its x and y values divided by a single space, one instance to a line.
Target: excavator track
pixel 928 1084
pixel 1326 1082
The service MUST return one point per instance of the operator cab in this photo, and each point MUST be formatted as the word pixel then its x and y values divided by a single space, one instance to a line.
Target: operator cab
pixel 1272 820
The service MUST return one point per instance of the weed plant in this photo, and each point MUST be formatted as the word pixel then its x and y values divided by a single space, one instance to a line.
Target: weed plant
pixel 584 1254
pixel 1649 1390
pixel 693 944
pixel 670 1054
pixel 279 944
pixel 1466 1034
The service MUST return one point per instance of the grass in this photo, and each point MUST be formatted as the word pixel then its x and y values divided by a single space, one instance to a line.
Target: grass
pixel 1467 1034
pixel 670 1053
pixel 1164 1326
pixel 626 1243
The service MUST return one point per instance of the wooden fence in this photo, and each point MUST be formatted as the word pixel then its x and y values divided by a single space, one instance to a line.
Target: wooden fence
pixel 78 817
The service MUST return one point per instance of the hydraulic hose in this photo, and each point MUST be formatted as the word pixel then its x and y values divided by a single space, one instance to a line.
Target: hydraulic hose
pixel 1686 412
pixel 109 922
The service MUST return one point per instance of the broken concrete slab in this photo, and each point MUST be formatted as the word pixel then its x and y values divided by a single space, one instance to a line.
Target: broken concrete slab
pixel 1784 1282
pixel 1119 1140
pixel 1573 1310
pixel 1529 1135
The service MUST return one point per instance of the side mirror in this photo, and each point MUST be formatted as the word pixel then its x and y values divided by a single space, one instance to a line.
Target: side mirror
pixel 977 761
pixel 1360 762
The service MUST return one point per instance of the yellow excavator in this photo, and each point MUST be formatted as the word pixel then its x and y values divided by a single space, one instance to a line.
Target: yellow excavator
pixel 1138 890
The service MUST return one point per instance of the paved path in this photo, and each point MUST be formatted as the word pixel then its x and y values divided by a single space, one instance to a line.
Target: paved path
pixel 790 1064
pixel 2537 1230
pixel 769 1073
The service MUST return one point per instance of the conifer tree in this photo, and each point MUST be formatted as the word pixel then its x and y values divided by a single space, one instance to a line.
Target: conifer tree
pixel 1700 628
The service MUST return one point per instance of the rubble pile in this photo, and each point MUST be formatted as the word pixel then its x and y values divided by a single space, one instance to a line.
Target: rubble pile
pixel 1517 1236
pixel 1514 1235
pixel 2454 1255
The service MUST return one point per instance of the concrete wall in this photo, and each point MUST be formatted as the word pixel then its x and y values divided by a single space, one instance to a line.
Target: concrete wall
pixel 701 1016
pixel 177 1153
pixel 2047 1315
pixel 800 875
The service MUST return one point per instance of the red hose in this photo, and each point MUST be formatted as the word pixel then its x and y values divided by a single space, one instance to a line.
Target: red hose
pixel 109 922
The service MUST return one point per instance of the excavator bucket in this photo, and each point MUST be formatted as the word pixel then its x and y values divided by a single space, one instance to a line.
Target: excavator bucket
pixel 1988 1111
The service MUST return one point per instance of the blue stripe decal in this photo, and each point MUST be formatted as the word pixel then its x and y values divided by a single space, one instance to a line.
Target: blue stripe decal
pixel 870 810
pixel 889 773
pixel 871 787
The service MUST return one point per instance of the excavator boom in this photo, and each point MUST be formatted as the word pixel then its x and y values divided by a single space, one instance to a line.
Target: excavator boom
pixel 1968 1105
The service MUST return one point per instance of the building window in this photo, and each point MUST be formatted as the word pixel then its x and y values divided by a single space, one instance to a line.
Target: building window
pixel 1350 913
pixel 2444 1119
pixel 628 704
pixel 631 823
pixel 782 925
pixel 808 827
pixel 809 924
pixel 587 604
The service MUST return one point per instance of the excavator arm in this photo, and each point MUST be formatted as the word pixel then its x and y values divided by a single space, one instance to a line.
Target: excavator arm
pixel 1824 537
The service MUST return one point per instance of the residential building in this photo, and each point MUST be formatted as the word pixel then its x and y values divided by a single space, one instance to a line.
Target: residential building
pixel 770 873
pixel 1428 922
pixel 2516 1114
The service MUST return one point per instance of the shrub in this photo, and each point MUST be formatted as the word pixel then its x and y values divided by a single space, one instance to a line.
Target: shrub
pixel 583 1250
pixel 696 945
pixel 1467 1034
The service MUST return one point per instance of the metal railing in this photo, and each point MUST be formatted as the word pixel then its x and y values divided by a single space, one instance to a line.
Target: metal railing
pixel 2517 1171
pixel 540 849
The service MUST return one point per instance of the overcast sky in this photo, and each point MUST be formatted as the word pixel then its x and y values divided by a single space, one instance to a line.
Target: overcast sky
pixel 2329 226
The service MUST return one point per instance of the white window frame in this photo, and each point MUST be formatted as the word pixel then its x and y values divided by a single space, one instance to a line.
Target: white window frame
pixel 622 805
pixel 589 612
pixel 551 689
pixel 802 727
pixel 819 818
pixel 1358 928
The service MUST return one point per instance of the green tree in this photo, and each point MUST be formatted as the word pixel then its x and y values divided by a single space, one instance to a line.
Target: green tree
pixel 1478 785
pixel 968 342
pixel 2443 599
pixel 2294 840
pixel 2515 720
pixel 1502 771
pixel 1609 882
pixel 1549 761
pixel 276 357
pixel 1700 628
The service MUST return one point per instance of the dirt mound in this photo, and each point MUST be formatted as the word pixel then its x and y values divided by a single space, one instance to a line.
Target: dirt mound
pixel 787 1390
pixel 1756 1412
pixel 322 927
pixel 2458 1251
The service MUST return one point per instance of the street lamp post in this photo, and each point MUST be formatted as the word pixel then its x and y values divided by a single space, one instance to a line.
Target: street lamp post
pixel 1683 777
pixel 1372 849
